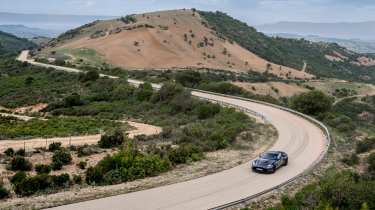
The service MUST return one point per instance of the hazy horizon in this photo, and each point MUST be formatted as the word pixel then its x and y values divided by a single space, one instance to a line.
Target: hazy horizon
pixel 254 12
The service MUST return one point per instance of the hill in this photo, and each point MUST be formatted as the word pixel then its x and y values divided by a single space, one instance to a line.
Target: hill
pixel 321 59
pixel 11 43
pixel 177 39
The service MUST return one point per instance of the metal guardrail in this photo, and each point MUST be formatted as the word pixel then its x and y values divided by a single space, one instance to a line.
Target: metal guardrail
pixel 252 112
pixel 309 169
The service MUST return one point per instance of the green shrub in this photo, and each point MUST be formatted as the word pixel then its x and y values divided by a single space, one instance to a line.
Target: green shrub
pixel 371 163
pixel 19 163
pixel 144 92
pixel 77 179
pixel 20 152
pixel 54 146
pixel 94 175
pixel 365 145
pixel 126 166
pixel 73 100
pixel 91 75
pixel 56 165
pixel 352 160
pixel 43 169
pixel 4 193
pixel 61 180
pixel 86 150
pixel 82 164
pixel 185 154
pixel 314 103
pixel 33 184
pixel 337 190
pixel 9 152
pixel 18 177
pixel 62 156
pixel 112 139
pixel 207 110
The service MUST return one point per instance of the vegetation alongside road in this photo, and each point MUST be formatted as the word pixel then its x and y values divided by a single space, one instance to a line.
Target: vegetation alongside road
pixel 191 127
pixel 351 185
pixel 13 128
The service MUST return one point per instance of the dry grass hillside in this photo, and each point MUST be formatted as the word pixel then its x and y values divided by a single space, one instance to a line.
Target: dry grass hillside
pixel 274 89
pixel 169 39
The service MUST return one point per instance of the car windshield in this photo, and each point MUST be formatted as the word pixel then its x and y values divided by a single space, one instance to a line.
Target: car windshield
pixel 271 156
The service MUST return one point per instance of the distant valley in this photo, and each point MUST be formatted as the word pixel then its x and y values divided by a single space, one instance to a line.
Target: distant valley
pixel 356 45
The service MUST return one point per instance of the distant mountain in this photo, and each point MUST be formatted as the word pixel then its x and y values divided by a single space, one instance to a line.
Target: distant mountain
pixel 10 43
pixel 356 45
pixel 56 23
pixel 360 30
pixel 27 32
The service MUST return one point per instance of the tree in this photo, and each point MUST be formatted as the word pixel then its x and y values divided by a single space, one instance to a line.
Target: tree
pixel 62 156
pixel 144 92
pixel 313 103
pixel 91 75
pixel 113 139
pixel 19 163
pixel 73 100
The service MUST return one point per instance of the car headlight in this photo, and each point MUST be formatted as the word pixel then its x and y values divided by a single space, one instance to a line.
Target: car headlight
pixel 253 163
pixel 269 166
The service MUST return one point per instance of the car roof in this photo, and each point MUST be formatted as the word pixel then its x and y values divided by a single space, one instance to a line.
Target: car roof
pixel 272 152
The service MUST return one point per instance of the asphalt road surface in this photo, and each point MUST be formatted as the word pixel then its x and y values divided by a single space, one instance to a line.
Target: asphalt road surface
pixel 302 140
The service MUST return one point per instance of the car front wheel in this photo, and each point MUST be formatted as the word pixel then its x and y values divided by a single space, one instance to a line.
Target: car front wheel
pixel 286 162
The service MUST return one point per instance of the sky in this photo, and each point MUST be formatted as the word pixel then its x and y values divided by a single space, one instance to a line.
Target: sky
pixel 254 12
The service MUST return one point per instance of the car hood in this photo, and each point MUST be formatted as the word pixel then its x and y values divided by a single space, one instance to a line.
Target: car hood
pixel 263 162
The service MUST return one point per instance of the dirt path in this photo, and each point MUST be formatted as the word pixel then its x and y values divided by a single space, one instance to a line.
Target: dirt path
pixel 140 129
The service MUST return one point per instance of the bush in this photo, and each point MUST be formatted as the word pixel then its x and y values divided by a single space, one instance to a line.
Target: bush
pixel 19 163
pixel 94 175
pixel 207 110
pixel 9 152
pixel 77 179
pixel 20 152
pixel 112 139
pixel 351 160
pixel 62 156
pixel 18 177
pixel 144 92
pixel 43 169
pixel 86 150
pixel 73 100
pixel 371 163
pixel 56 165
pixel 54 146
pixel 32 184
pixel 82 164
pixel 365 145
pixel 125 166
pixel 314 103
pixel 61 180
pixel 185 154
pixel 4 193
pixel 91 75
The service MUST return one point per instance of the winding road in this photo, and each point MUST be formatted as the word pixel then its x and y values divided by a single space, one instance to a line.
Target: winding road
pixel 303 140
